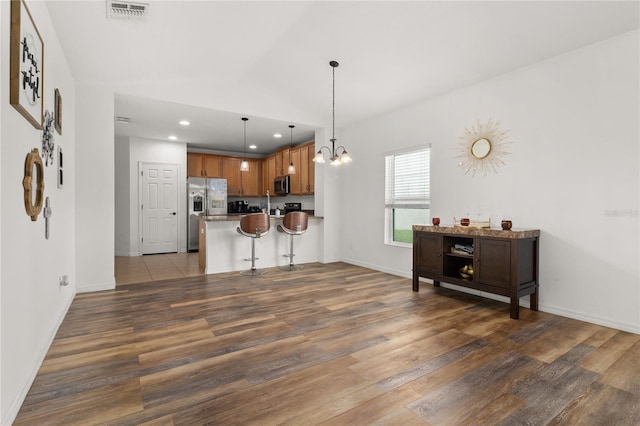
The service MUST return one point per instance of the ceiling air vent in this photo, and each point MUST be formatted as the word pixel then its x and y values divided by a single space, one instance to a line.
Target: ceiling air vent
pixel 126 9
pixel 125 120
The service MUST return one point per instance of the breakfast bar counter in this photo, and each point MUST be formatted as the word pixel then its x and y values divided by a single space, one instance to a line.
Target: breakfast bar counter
pixel 222 249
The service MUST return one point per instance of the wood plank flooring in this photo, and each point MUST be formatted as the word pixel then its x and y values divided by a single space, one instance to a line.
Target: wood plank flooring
pixel 332 344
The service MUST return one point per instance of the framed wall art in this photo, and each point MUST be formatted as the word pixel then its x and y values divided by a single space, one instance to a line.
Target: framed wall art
pixel 60 168
pixel 57 111
pixel 33 184
pixel 26 65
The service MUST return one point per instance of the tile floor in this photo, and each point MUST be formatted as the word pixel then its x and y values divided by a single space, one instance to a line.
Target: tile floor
pixel 154 267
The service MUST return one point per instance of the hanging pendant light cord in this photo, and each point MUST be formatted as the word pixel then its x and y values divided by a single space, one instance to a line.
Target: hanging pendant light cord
pixel 333 106
pixel 245 138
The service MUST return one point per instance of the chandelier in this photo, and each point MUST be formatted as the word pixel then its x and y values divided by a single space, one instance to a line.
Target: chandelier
pixel 336 156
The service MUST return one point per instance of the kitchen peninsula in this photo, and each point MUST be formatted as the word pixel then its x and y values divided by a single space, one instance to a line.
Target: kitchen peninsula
pixel 222 249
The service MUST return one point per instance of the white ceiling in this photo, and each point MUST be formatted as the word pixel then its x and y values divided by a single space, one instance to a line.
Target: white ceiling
pixel 247 56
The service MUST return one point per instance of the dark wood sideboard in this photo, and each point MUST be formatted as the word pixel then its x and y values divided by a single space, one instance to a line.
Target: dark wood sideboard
pixel 503 262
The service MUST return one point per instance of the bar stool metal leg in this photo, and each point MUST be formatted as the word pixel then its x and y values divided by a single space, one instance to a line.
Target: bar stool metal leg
pixel 254 226
pixel 291 266
pixel 253 271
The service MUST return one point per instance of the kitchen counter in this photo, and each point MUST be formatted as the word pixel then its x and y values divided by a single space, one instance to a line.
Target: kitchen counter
pixel 222 249
pixel 233 217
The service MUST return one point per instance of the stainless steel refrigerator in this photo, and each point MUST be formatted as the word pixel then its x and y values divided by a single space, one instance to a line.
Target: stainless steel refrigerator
pixel 206 197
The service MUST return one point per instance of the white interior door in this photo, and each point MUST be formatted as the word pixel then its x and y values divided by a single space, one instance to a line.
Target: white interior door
pixel 159 208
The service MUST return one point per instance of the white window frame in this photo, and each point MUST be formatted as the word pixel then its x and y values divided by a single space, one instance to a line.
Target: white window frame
pixel 391 202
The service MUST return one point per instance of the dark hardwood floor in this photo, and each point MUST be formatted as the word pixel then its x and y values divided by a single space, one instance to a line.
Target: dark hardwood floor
pixel 331 344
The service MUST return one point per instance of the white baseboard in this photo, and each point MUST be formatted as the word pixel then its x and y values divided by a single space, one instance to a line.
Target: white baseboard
pixel 524 301
pixel 18 400
pixel 127 253
pixel 97 287
pixel 397 272
pixel 631 328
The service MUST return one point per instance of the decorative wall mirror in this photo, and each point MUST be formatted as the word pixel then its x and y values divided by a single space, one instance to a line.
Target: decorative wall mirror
pixel 33 171
pixel 481 148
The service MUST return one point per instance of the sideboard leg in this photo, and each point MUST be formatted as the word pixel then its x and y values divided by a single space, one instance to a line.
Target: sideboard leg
pixel 533 300
pixel 416 282
pixel 514 309
pixel 436 283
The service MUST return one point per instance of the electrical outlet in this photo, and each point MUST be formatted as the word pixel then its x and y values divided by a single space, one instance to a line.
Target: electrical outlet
pixel 64 280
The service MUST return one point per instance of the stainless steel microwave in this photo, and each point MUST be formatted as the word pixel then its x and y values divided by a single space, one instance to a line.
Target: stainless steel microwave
pixel 281 185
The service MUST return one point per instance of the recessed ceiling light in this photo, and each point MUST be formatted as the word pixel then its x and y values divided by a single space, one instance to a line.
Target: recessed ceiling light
pixel 277 135
pixel 252 147
pixel 184 123
pixel 173 138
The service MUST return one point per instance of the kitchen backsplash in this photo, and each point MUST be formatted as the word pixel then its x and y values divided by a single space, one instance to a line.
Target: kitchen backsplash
pixel 306 200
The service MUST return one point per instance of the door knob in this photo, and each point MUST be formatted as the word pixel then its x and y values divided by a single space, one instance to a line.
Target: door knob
pixel 174 213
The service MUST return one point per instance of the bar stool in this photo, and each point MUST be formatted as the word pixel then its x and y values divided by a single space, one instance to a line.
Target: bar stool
pixel 254 225
pixel 294 223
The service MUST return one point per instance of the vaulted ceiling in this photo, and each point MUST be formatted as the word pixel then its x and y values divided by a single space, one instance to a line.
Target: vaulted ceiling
pixel 229 57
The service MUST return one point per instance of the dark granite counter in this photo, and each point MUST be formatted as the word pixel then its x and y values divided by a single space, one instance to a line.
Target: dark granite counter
pixel 478 232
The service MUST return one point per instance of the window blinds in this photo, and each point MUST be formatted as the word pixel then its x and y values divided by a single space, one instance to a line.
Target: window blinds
pixel 407 180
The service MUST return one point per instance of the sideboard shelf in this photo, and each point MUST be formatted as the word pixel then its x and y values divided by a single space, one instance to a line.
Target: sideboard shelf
pixel 503 262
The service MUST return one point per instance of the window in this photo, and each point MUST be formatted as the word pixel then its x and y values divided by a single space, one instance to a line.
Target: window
pixel 407 194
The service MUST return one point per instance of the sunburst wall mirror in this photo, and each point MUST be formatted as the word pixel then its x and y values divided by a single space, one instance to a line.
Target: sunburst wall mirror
pixel 482 147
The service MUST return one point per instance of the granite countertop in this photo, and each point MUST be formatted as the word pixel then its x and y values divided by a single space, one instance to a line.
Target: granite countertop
pixel 479 232
pixel 236 217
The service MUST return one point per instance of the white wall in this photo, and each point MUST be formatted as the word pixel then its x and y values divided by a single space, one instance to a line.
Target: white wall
pixel 574 162
pixel 32 301
pixel 146 150
pixel 95 195
pixel 122 226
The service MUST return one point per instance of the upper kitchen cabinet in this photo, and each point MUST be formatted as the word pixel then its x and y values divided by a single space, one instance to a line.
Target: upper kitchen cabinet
pixel 231 172
pixel 308 176
pixel 241 184
pixel 268 175
pixel 282 162
pixel 195 165
pixel 295 178
pixel 213 166
pixel 204 165
pixel 250 180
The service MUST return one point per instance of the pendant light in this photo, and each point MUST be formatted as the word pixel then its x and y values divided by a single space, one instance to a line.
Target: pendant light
pixel 292 169
pixel 334 156
pixel 244 166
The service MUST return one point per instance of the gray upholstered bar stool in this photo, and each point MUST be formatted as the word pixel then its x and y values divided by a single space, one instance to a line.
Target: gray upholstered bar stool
pixel 293 223
pixel 254 225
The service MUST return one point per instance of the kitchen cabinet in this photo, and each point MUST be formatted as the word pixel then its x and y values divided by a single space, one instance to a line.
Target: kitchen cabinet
pixel 282 162
pixel 307 169
pixel 268 175
pixel 204 165
pixel 250 180
pixel 295 179
pixel 303 182
pixel 195 165
pixel 213 166
pixel 241 184
pixel 262 172
pixel 231 172
pixel 501 262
